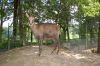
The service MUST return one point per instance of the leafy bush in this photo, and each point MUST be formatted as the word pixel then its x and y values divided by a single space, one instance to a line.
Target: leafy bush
pixel 4 44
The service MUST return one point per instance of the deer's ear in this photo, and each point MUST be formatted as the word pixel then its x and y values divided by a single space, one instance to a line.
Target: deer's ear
pixel 27 15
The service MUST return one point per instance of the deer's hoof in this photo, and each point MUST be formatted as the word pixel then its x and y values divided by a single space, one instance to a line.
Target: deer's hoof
pixel 39 54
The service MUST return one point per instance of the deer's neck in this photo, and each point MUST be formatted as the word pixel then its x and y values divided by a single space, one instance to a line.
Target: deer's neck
pixel 33 27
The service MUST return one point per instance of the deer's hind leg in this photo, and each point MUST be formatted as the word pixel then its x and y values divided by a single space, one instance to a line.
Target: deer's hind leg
pixel 40 48
pixel 40 41
pixel 58 46
pixel 55 45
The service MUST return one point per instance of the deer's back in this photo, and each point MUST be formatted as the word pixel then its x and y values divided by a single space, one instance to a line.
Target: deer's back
pixel 47 29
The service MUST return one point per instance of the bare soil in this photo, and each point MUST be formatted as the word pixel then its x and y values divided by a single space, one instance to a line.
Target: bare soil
pixel 28 56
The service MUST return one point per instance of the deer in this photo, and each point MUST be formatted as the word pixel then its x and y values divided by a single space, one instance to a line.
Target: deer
pixel 43 31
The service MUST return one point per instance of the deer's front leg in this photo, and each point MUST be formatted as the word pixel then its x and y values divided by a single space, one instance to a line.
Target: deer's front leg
pixel 54 49
pixel 58 46
pixel 40 46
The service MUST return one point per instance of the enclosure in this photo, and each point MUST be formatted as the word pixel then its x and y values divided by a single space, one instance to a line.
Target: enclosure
pixel 22 37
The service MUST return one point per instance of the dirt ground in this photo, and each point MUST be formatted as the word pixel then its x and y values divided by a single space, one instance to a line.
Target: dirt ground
pixel 28 56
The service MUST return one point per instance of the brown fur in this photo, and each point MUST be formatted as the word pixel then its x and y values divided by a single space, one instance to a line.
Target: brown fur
pixel 45 30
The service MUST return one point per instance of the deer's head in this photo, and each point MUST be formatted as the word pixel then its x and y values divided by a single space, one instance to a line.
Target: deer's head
pixel 31 19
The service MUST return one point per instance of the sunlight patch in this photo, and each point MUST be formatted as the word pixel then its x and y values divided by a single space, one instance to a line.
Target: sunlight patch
pixel 78 56
pixel 36 52
pixel 66 54
pixel 35 46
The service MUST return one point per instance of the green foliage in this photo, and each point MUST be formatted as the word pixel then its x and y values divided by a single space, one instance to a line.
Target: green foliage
pixel 92 9
pixel 3 13
pixel 89 7
pixel 4 44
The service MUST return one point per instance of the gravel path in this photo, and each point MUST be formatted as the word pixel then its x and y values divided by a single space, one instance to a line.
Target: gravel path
pixel 28 56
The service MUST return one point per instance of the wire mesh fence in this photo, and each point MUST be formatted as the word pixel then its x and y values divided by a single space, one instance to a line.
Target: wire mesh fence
pixel 81 44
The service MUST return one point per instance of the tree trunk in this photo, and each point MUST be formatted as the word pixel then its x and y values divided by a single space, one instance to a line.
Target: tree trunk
pixel 1 24
pixel 82 31
pixel 92 36
pixel 63 35
pixel 68 36
pixel 1 30
pixel 21 33
pixel 64 32
pixel 31 37
pixel 15 20
pixel 98 49
pixel 67 29
pixel 21 25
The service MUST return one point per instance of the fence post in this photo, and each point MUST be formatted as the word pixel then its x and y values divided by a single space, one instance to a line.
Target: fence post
pixel 8 38
pixel 86 38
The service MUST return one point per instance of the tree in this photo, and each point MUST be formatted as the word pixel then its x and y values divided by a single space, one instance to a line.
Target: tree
pixel 90 9
pixel 2 14
pixel 98 49
pixel 15 18
pixel 21 25
pixel 1 24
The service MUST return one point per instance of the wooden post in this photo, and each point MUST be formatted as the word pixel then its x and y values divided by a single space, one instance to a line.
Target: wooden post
pixel 8 38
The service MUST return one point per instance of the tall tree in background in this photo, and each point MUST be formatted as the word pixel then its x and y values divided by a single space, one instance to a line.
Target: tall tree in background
pixel 1 24
pixel 15 18
pixel 3 3
pixel 90 9
pixel 64 17
pixel 21 26
pixel 98 49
